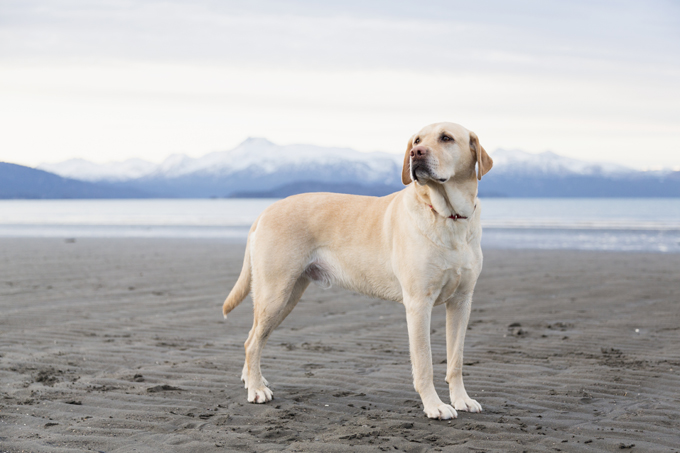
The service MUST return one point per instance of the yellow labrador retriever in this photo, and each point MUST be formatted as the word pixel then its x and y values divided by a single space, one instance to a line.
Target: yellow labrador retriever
pixel 419 246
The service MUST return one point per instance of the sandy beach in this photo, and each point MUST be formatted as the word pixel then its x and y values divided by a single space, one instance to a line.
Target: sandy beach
pixel 119 345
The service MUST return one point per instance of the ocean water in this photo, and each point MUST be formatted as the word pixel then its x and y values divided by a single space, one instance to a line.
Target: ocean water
pixel 614 224
pixel 579 224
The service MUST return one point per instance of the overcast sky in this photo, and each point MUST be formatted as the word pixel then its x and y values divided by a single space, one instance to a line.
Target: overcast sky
pixel 111 80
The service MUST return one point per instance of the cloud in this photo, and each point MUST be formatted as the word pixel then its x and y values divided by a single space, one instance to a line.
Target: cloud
pixel 590 79
pixel 386 35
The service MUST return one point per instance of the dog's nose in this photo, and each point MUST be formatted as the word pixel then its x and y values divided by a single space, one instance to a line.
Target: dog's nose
pixel 419 151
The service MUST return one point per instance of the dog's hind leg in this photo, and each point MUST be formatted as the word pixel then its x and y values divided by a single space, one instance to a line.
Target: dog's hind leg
pixel 271 306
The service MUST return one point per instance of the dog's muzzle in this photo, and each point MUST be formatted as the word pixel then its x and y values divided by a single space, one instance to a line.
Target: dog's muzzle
pixel 421 172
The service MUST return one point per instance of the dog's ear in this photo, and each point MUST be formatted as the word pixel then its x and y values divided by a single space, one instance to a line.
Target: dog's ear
pixel 484 162
pixel 406 169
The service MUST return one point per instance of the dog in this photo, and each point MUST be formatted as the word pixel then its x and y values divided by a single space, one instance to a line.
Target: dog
pixel 419 246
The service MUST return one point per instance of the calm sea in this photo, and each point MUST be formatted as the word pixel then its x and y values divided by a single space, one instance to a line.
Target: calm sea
pixel 583 224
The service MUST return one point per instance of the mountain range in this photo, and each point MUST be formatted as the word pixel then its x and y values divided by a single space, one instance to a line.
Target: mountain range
pixel 260 168
pixel 254 168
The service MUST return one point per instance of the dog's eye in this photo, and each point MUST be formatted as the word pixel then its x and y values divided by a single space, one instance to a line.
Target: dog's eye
pixel 446 138
pixel 417 140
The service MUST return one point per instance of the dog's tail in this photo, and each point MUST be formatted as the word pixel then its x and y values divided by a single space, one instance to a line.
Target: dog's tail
pixel 242 286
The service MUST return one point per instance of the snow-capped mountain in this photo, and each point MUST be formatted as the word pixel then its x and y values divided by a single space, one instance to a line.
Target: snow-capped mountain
pixel 260 168
pixel 520 162
pixel 256 155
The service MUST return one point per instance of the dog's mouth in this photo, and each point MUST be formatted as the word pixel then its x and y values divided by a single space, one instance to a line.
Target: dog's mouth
pixel 421 172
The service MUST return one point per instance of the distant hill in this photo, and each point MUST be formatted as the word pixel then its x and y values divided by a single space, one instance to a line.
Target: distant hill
pixel 17 181
pixel 549 175
pixel 260 168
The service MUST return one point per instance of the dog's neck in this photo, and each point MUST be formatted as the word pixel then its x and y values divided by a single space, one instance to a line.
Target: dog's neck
pixel 449 199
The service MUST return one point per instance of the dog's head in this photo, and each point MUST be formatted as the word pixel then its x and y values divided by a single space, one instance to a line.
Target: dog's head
pixel 442 151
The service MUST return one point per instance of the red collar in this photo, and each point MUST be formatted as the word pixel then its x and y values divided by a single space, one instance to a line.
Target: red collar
pixel 455 216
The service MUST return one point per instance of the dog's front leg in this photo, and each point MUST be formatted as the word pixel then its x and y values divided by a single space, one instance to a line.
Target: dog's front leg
pixel 418 317
pixel 457 316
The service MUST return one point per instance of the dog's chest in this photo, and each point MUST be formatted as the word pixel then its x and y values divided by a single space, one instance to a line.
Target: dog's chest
pixel 459 274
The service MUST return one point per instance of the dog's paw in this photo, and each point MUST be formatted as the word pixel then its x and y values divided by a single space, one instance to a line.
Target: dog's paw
pixel 466 404
pixel 441 411
pixel 261 395
pixel 244 378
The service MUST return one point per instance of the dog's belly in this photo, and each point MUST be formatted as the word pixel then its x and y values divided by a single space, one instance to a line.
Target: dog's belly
pixel 364 274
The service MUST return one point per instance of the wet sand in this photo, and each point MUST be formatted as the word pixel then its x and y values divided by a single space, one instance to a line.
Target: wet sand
pixel 119 345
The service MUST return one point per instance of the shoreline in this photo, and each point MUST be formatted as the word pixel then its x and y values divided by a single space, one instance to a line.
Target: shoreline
pixel 494 238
